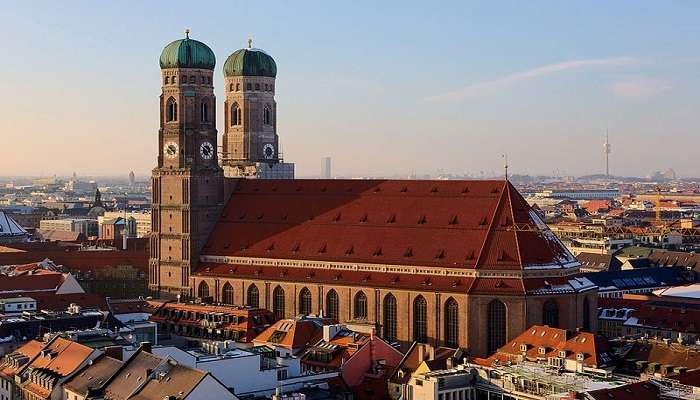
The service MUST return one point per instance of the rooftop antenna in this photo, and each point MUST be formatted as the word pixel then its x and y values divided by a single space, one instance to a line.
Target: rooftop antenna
pixel 505 165
pixel 250 42
pixel 187 33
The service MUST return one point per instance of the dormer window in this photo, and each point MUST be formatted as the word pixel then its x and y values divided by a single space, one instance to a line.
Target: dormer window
pixel 523 347
pixel 542 350
pixel 580 356
pixel 562 353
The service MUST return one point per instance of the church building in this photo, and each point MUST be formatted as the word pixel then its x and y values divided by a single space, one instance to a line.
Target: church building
pixel 451 263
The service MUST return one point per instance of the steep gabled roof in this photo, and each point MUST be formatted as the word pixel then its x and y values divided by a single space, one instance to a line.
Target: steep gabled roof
pixel 483 225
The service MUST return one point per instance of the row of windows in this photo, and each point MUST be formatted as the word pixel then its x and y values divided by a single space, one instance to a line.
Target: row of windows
pixel 204 80
pixel 249 86
pixel 496 313
pixel 236 118
pixel 171 111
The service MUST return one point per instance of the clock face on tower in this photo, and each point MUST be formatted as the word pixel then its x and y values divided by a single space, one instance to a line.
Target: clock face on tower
pixel 206 150
pixel 269 151
pixel 170 150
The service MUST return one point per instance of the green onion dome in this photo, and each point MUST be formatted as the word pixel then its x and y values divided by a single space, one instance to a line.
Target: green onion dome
pixel 250 62
pixel 187 53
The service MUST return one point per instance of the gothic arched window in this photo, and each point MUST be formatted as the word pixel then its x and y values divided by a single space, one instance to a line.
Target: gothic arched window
pixel 227 294
pixel 332 305
pixel 174 79
pixel 278 302
pixel 193 79
pixel 420 319
pixel 203 290
pixel 389 317
pixel 360 303
pixel 267 115
pixel 167 80
pixel 230 87
pixel 253 296
pixel 305 301
pixel 586 315
pixel 171 110
pixel 184 78
pixel 204 111
pixel 235 114
pixel 495 326
pixel 238 87
pixel 451 323
pixel 550 313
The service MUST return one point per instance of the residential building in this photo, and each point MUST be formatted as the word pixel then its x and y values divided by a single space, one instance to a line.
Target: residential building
pixel 559 349
pixel 291 336
pixel 12 363
pixel 246 372
pixel 59 360
pixel 214 322
pixel 86 227
pixel 363 360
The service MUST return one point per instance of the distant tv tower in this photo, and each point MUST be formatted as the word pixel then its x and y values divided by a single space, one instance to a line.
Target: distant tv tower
pixel 606 151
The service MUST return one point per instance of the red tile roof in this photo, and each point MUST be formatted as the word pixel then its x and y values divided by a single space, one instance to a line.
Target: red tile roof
pixel 462 224
pixel 79 260
pixel 292 334
pixel 594 348
pixel 39 281
pixel 634 391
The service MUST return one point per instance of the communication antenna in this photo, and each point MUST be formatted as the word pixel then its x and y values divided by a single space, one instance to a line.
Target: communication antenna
pixel 606 151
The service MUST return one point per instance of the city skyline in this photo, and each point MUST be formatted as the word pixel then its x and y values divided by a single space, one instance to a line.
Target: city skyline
pixel 405 100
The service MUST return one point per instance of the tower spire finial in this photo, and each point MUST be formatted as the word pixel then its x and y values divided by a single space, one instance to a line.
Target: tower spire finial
pixel 187 33
pixel 250 42
pixel 505 165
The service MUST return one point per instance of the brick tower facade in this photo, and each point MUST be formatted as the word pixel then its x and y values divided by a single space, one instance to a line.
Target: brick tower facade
pixel 250 141
pixel 188 182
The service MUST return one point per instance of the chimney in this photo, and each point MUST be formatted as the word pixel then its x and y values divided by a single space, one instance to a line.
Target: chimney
pixel 449 363
pixel 421 352
pixel 145 346
pixel 115 352
pixel 431 352
pixel 329 331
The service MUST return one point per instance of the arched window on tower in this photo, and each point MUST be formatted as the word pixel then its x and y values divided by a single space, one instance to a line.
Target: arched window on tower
pixel 586 315
pixel 227 294
pixel 305 301
pixel 204 111
pixel 167 80
pixel 420 319
pixel 174 80
pixel 238 87
pixel 451 323
pixel 267 114
pixel 184 79
pixel 389 318
pixel 202 290
pixel 253 296
pixel 360 306
pixel 171 110
pixel 193 79
pixel 495 325
pixel 332 309
pixel 235 114
pixel 550 313
pixel 230 87
pixel 278 302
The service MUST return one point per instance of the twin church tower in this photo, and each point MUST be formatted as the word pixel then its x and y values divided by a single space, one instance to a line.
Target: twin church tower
pixel 190 180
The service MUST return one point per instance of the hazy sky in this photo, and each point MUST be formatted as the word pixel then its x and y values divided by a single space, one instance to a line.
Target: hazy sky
pixel 383 89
